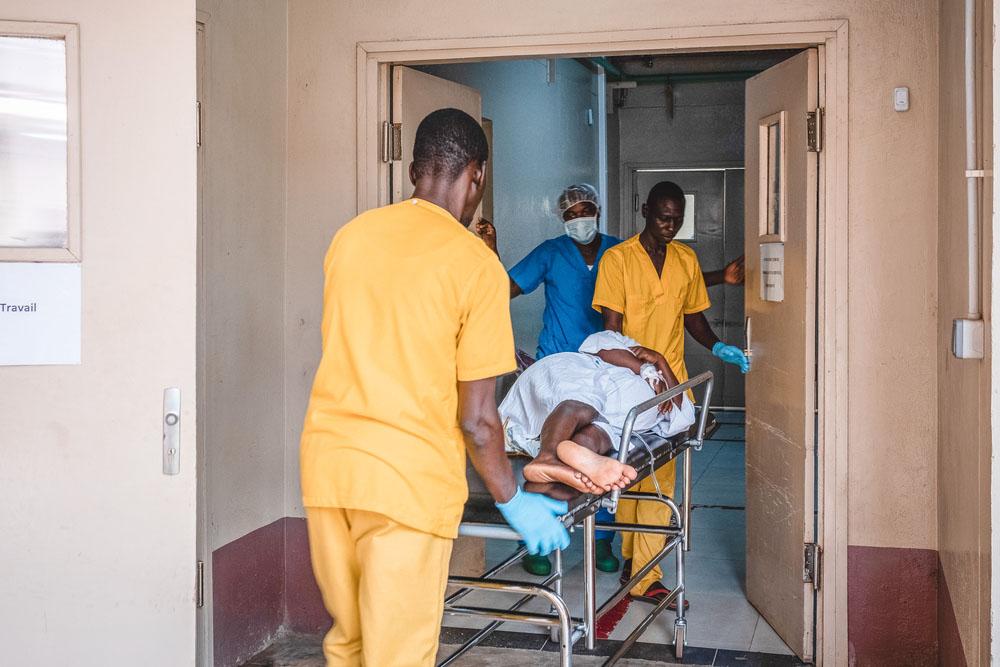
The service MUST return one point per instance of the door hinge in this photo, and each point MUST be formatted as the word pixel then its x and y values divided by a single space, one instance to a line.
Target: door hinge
pixel 392 143
pixel 812 571
pixel 200 585
pixel 814 130
pixel 197 136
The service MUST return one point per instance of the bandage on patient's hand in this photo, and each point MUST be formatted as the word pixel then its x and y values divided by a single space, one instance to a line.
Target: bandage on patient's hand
pixel 654 378
pixel 651 374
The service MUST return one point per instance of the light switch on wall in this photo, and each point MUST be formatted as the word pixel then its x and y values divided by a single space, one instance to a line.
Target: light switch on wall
pixel 901 99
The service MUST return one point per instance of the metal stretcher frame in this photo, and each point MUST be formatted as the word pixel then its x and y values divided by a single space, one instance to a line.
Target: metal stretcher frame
pixel 564 628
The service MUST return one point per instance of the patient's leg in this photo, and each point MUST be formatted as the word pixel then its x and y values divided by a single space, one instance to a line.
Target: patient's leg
pixel 566 419
pixel 570 423
pixel 587 451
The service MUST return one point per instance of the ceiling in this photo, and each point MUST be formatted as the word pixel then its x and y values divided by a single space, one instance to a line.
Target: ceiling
pixel 743 62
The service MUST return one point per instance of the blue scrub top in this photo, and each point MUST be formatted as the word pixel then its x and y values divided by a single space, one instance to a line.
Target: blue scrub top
pixel 569 292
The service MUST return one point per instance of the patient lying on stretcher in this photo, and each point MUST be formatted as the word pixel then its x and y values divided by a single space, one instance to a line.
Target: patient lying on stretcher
pixel 567 411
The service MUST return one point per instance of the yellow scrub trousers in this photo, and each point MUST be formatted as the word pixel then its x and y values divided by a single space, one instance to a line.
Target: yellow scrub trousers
pixel 383 583
pixel 642 547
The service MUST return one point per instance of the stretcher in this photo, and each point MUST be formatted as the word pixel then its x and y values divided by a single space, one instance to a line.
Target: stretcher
pixel 481 519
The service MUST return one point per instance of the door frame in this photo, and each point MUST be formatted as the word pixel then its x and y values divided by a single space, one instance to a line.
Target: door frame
pixel 204 638
pixel 831 38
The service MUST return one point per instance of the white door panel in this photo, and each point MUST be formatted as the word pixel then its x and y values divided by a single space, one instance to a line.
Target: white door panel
pixel 98 545
pixel 781 215
pixel 415 95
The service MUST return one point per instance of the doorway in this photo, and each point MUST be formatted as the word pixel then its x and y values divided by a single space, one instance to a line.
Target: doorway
pixel 374 189
pixel 668 117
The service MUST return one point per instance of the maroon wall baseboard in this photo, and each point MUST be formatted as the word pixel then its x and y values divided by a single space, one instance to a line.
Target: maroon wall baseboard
pixel 892 602
pixel 248 593
pixel 262 585
pixel 304 610
pixel 897 600
pixel 951 650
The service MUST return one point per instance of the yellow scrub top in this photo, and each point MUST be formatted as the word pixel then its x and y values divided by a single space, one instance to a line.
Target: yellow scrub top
pixel 653 306
pixel 413 303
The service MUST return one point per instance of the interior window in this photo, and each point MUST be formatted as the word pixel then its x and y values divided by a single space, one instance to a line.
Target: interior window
pixel 772 158
pixel 34 129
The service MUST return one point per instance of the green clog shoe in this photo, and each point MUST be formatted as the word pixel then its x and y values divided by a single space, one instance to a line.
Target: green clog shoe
pixel 605 558
pixel 537 565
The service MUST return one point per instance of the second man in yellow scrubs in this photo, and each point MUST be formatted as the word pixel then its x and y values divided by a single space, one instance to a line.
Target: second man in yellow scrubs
pixel 651 288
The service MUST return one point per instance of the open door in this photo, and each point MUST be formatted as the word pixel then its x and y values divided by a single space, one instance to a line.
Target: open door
pixel 414 95
pixel 781 228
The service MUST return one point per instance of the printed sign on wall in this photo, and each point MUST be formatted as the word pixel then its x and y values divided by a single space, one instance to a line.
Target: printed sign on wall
pixel 772 271
pixel 39 314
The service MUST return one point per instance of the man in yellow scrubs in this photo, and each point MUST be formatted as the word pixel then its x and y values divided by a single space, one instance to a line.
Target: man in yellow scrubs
pixel 651 288
pixel 416 327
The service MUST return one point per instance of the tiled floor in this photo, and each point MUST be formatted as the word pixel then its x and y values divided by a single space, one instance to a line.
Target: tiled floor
pixel 505 649
pixel 720 616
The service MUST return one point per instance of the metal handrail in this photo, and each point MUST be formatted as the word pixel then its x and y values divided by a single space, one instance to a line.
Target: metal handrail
pixel 562 618
pixel 708 379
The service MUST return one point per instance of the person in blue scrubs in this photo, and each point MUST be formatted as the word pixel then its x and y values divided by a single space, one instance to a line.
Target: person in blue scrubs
pixel 567 266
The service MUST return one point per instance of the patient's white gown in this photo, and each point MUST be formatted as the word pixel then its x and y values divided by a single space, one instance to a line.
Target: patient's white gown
pixel 611 390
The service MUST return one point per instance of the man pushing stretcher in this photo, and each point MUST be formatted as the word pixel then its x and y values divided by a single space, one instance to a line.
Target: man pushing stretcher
pixel 416 327
pixel 567 411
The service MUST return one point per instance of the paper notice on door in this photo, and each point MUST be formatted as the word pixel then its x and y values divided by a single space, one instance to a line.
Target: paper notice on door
pixel 772 271
pixel 39 314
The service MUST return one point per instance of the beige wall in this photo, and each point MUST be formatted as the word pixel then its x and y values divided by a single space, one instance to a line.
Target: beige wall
pixel 243 254
pixel 893 203
pixel 963 428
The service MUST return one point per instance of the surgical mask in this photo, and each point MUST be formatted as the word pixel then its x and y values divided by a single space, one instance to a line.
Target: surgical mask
pixel 582 230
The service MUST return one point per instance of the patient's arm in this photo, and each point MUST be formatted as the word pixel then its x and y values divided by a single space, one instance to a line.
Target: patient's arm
pixel 634 359
pixel 622 358
pixel 483 434
pixel 613 322
pixel 648 356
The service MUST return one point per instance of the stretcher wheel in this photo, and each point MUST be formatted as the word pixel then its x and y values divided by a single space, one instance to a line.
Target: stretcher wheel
pixel 679 639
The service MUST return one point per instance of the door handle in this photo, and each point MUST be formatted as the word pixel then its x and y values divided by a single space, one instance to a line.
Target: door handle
pixel 171 431
pixel 747 333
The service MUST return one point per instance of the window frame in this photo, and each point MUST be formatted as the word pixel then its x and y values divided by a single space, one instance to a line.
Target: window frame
pixel 764 233
pixel 69 34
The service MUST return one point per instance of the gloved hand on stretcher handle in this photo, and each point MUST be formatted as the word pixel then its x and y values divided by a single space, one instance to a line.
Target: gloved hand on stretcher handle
pixel 731 355
pixel 536 518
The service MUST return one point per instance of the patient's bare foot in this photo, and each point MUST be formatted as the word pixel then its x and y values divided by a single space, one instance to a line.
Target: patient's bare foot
pixel 604 471
pixel 550 469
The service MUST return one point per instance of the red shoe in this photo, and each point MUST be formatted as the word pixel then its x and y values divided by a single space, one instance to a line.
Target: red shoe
pixel 655 594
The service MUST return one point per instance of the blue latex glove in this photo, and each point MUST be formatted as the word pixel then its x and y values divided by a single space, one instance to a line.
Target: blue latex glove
pixel 731 355
pixel 536 518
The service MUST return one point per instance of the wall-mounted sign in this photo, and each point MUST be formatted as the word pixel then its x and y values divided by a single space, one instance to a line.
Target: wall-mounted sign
pixel 772 271
pixel 39 314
